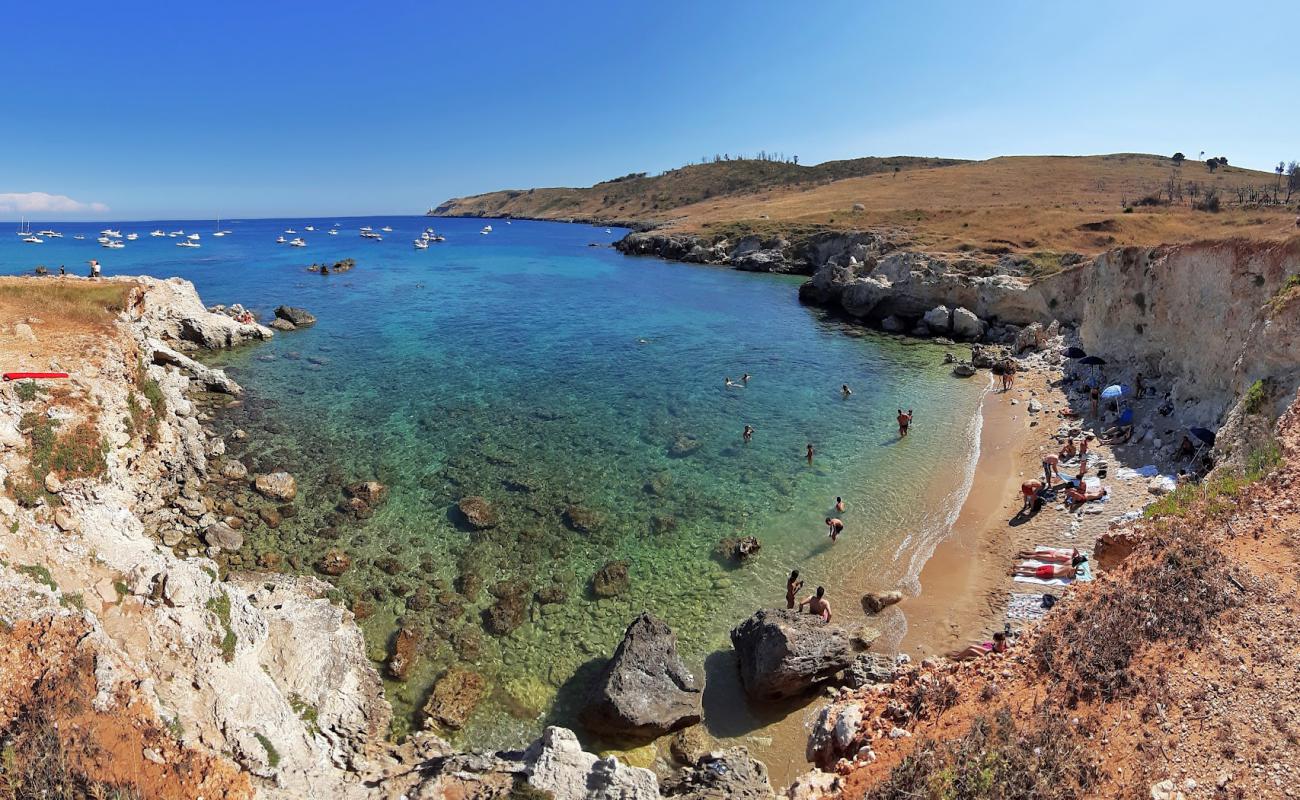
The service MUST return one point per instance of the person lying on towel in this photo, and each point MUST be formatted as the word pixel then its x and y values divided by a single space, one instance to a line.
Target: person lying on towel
pixel 1075 496
pixel 981 649
pixel 1047 572
pixel 1052 555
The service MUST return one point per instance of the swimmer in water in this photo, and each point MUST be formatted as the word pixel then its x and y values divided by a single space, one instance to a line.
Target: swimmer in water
pixel 810 454
pixel 745 379
pixel 839 505
pixel 845 390
pixel 818 605
pixel 749 433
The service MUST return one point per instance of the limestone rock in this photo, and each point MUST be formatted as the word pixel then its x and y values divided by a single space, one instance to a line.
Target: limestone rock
pixel 64 520
pixel 278 486
pixel 406 651
pixel 282 325
pixel 783 653
pixel 219 534
pixel 372 493
pixel 455 695
pixel 52 483
pixel 938 320
pixel 561 767
pixel 611 579
pixel 963 370
pixel 892 324
pixel 234 470
pixel 644 691
pixel 875 602
pixel 732 774
pixel 869 669
pixel 299 317
pixel 213 380
pixel 477 511
pixel 965 325
pixel 335 562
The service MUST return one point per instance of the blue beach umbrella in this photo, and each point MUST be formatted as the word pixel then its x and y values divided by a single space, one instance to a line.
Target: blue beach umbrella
pixel 1113 392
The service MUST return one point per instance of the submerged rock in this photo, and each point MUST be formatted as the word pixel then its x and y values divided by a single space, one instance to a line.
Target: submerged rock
pixel 644 691
pixel 732 774
pixel 372 493
pixel 455 696
pixel 406 651
pixel 683 445
pixel 875 602
pixel 784 653
pixel 506 614
pixel 611 580
pixel 738 549
pixel 278 486
pixel 582 519
pixel 335 562
pixel 477 511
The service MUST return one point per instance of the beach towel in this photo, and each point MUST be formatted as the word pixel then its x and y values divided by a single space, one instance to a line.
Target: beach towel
pixel 1126 474
pixel 1084 573
pixel 1027 607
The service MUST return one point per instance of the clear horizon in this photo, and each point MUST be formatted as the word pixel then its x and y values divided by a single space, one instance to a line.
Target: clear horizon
pixel 316 111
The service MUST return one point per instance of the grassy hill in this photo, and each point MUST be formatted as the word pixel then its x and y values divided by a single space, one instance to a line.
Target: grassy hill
pixel 1013 204
pixel 649 200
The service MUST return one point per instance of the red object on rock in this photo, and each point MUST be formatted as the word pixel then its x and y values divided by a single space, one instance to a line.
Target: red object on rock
pixel 22 376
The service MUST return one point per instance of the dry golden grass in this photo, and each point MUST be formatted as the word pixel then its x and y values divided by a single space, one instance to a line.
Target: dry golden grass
pixel 83 302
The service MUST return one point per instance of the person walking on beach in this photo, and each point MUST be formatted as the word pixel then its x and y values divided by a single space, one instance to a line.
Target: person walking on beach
pixel 748 434
pixel 1094 400
pixel 834 527
pixel 810 454
pixel 904 422
pixel 846 391
pixel 817 604
pixel 1008 375
pixel 792 587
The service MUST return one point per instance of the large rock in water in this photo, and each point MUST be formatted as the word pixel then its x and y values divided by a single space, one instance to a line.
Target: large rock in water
pixel 645 691
pixel 278 486
pixel 784 653
pixel 478 512
pixel 300 317
pixel 455 695
pixel 611 580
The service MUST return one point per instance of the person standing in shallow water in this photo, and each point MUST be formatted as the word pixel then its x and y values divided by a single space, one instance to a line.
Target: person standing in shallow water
pixel 839 505
pixel 792 587
pixel 748 433
pixel 834 527
pixel 810 454
pixel 817 604
pixel 904 422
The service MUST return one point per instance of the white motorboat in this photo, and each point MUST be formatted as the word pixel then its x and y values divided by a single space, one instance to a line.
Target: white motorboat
pixel 174 234
pixel 50 234
pixel 421 244
pixel 193 237
pixel 131 237
pixel 113 244
pixel 386 229
pixel 310 228
pixel 486 230
pixel 438 237
pixel 289 230
pixel 103 239
pixel 371 235
pixel 112 234
pixel 157 233
pixel 334 232
pixel 297 242
pixel 366 229
pixel 188 243
pixel 79 237
pixel 607 230
pixel 33 240
pixel 280 240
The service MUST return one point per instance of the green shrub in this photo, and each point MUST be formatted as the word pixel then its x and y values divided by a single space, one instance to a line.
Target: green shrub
pixel 1256 397
pixel 39 574
pixel 27 391
pixel 272 755
pixel 220 605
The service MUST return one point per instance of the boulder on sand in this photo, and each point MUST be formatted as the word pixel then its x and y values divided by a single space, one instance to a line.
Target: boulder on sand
pixel 645 691
pixel 784 653
pixel 875 602
pixel 965 325
pixel 298 316
pixel 938 320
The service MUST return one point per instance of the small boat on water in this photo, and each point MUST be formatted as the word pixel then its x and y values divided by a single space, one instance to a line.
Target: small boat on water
pixel 421 244
pixel 280 240
pixel 112 234
pixel 366 229
pixel 310 228
pixel 289 230
pixel 607 230
pixel 486 230
pixel 218 231
pixel 333 232
pixel 174 234
pixel 113 244
pixel 386 229
pixel 188 243
pixel 297 242
pixel 193 237
pixel 79 237
pixel 131 237
pixel 157 233
pixel 371 235
pixel 50 234
pixel 103 239
pixel 33 240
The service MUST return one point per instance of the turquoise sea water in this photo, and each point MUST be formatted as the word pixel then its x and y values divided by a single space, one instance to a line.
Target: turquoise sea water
pixel 544 374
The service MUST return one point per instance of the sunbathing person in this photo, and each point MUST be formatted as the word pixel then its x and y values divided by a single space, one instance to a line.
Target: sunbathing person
pixel 1078 496
pixel 1120 434
pixel 1052 555
pixel 981 649
pixel 1047 572
pixel 1068 451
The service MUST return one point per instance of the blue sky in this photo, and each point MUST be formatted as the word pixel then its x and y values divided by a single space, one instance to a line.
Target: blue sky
pixel 281 108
